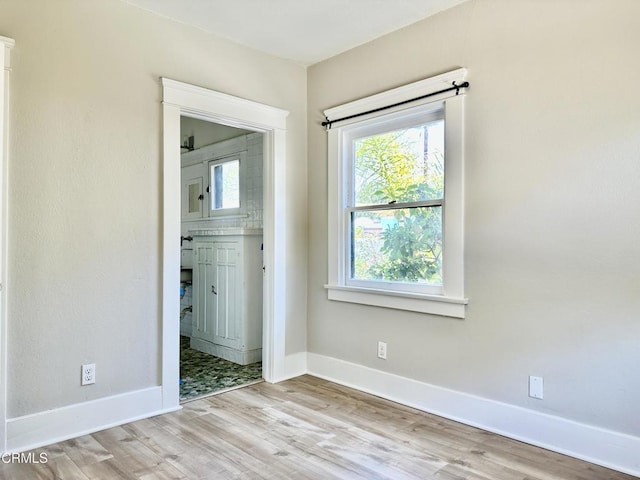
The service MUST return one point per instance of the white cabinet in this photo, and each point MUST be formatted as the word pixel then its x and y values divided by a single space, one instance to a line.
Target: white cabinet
pixel 227 297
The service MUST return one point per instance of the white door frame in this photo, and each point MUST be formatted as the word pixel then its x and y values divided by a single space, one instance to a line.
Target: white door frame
pixel 183 99
pixel 5 46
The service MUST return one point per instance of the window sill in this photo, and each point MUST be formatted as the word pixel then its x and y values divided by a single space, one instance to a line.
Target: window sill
pixel 414 302
pixel 226 216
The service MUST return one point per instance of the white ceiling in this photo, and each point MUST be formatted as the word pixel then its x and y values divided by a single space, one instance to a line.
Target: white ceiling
pixel 306 31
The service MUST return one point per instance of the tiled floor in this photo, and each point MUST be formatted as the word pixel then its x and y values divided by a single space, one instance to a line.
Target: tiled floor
pixel 202 374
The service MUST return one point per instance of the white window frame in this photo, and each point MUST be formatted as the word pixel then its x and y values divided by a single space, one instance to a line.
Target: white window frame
pixel 228 212
pixel 450 301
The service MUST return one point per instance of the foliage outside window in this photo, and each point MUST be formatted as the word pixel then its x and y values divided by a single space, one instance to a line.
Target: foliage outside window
pixel 396 213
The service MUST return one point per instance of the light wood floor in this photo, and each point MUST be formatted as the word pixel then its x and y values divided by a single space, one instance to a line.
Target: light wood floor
pixel 304 428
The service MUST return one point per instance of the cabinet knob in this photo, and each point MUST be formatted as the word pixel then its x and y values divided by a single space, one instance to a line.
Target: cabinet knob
pixel 213 290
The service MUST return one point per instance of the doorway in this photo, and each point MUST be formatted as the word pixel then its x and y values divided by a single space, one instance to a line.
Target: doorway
pixel 221 242
pixel 180 99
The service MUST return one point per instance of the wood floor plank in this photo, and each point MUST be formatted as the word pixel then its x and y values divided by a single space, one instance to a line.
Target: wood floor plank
pixel 120 443
pixel 375 444
pixel 164 471
pixel 63 468
pixel 303 429
pixel 294 443
pixel 15 471
pixel 111 469
pixel 85 450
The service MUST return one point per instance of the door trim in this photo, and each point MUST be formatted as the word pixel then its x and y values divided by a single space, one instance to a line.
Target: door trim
pixel 6 44
pixel 183 99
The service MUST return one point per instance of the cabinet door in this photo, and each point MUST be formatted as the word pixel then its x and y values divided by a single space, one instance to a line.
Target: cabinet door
pixel 203 279
pixel 192 198
pixel 226 289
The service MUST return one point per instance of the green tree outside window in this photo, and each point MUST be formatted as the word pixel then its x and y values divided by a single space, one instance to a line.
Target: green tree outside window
pixel 402 243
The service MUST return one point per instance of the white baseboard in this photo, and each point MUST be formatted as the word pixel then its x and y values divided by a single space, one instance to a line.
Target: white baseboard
pixel 610 449
pixel 51 426
pixel 294 366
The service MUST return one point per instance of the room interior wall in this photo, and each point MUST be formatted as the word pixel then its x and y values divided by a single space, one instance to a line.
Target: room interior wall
pixel 207 133
pixel 85 189
pixel 552 174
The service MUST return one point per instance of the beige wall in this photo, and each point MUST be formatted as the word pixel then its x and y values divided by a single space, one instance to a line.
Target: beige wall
pixel 85 188
pixel 552 195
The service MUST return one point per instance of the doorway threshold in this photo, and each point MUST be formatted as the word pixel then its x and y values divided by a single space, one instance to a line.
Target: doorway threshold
pixel 218 392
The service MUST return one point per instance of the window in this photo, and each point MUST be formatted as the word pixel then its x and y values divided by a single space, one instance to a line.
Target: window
pixel 226 187
pixel 225 184
pixel 396 200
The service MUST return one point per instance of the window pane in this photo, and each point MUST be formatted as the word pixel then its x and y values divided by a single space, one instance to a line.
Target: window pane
pixel 194 198
pixel 225 185
pixel 404 165
pixel 401 245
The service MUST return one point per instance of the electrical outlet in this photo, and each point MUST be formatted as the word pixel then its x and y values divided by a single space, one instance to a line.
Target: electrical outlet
pixel 536 387
pixel 88 374
pixel 382 350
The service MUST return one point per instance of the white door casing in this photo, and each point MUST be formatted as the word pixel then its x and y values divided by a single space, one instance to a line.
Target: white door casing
pixel 188 100
pixel 6 44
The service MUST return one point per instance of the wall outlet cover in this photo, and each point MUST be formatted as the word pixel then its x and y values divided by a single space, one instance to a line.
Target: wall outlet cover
pixel 382 350
pixel 88 374
pixel 536 387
